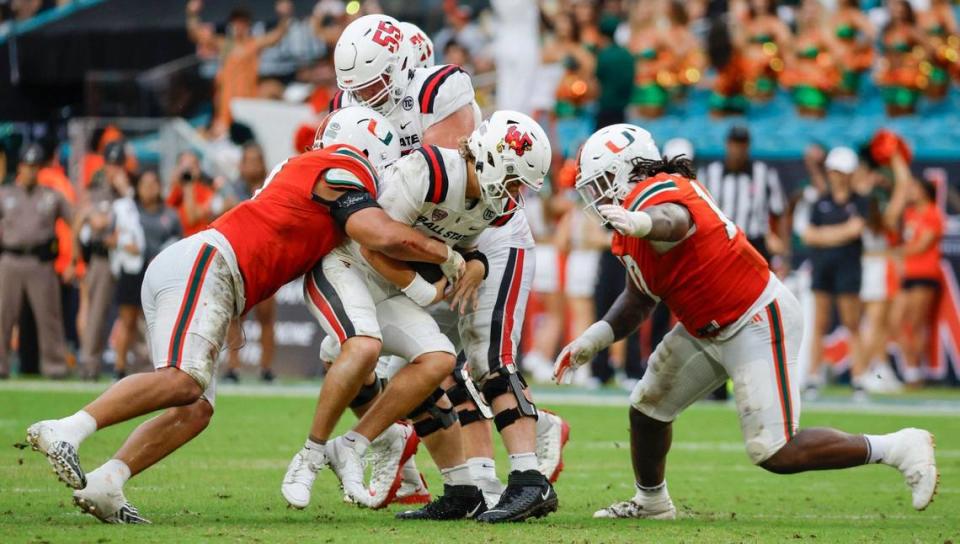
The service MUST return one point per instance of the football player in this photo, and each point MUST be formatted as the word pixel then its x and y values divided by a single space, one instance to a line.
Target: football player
pixel 736 321
pixel 432 105
pixel 454 196
pixel 192 290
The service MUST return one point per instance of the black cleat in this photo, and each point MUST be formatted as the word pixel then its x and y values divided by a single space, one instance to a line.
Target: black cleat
pixel 231 377
pixel 457 502
pixel 528 495
pixel 267 376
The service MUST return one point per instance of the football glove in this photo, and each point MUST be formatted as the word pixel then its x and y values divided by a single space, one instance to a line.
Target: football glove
pixel 636 224
pixel 579 352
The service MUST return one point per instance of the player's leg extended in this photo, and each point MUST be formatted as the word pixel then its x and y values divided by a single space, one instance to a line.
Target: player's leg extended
pixel 187 318
pixel 186 275
pixel 680 371
pixel 762 360
pixel 338 298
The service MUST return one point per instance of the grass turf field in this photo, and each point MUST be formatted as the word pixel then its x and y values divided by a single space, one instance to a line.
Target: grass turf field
pixel 224 486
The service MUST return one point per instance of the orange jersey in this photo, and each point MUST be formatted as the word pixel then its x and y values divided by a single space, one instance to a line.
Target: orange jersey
pixel 281 232
pixel 916 222
pixel 708 280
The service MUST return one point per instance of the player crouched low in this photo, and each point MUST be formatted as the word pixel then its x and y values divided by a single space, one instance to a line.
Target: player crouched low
pixel 736 320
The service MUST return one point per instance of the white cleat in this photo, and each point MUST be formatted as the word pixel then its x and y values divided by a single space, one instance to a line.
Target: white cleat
pixel 103 499
pixel 552 435
pixel 47 438
pixel 348 465
pixel 639 508
pixel 913 455
pixel 389 453
pixel 301 472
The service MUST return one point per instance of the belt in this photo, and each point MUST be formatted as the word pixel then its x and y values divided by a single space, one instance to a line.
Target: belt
pixel 46 251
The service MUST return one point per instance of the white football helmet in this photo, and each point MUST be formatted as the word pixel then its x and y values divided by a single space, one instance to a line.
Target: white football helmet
pixel 372 62
pixel 421 46
pixel 509 146
pixel 364 129
pixel 606 161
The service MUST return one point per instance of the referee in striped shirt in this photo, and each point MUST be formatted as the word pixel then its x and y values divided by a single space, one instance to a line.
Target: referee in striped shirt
pixel 749 193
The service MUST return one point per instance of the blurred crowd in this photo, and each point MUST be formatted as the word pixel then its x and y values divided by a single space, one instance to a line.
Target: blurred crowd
pixel 74 255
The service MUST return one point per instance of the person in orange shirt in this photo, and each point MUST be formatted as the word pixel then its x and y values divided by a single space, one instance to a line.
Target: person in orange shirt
pixel 923 226
pixel 239 53
pixel 191 194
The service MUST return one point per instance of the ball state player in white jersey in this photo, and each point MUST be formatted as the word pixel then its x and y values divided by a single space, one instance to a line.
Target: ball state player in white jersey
pixel 424 104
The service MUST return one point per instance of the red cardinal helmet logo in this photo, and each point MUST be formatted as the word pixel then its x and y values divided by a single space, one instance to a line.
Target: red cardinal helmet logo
pixel 518 141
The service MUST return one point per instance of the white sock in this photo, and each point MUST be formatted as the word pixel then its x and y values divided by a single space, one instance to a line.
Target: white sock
pixel 523 462
pixel 655 492
pixel 458 475
pixel 78 427
pixel 315 446
pixel 357 441
pixel 877 446
pixel 482 468
pixel 114 471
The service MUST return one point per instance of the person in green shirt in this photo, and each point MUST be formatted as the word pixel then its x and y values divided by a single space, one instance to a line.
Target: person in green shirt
pixel 615 71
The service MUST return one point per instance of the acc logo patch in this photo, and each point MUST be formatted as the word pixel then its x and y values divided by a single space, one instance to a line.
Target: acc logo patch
pixel 407 103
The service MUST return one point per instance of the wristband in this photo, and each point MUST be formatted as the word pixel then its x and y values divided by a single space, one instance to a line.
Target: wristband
pixel 600 334
pixel 477 255
pixel 420 291
pixel 642 223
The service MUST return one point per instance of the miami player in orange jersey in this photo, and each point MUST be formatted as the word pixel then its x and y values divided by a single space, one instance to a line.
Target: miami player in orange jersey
pixel 736 320
pixel 193 288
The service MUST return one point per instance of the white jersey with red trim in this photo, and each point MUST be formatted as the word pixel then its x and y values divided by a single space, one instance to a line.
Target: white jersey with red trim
pixel 432 95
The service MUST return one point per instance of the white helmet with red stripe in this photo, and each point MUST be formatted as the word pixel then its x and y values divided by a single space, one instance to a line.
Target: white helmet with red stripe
pixel 421 46
pixel 365 129
pixel 606 161
pixel 510 146
pixel 372 62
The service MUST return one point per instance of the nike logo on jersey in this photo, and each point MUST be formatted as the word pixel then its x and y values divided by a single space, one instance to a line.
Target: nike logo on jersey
pixel 403 126
pixel 438 230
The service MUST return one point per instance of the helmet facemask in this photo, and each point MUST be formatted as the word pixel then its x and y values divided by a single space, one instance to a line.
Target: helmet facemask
pixel 599 189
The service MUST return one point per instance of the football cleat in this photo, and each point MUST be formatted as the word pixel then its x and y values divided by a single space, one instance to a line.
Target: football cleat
pixel 553 433
pixel 528 495
pixel 46 438
pixel 103 499
pixel 913 454
pixel 457 502
pixel 413 486
pixel 388 455
pixel 638 507
pixel 301 472
pixel 348 465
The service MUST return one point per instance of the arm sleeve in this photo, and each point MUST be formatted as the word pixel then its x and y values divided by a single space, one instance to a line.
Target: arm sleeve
pixel 404 189
pixel 444 94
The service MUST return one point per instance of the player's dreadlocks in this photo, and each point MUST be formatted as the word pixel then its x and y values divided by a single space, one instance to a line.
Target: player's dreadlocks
pixel 680 165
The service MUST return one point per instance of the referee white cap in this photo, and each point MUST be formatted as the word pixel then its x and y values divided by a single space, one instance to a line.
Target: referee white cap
pixel 842 159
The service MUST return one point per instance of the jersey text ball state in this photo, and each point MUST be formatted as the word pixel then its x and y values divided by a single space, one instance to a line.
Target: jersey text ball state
pixel 286 210
pixel 711 278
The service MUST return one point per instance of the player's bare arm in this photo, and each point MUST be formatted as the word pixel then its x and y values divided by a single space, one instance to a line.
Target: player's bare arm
pixel 667 222
pixel 405 278
pixel 627 313
pixel 448 132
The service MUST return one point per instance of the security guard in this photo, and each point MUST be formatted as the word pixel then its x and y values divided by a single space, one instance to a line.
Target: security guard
pixel 95 228
pixel 28 215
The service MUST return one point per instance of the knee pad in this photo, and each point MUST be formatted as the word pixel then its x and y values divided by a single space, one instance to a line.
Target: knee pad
pixel 506 380
pixel 465 390
pixel 368 392
pixel 439 418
